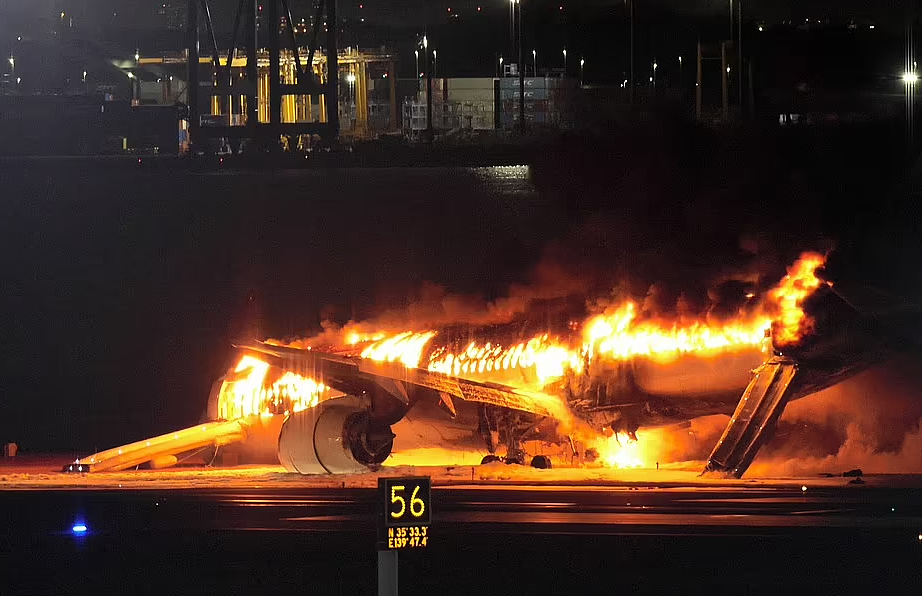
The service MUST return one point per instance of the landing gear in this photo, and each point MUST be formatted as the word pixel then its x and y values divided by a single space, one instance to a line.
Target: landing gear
pixel 501 426
pixel 542 462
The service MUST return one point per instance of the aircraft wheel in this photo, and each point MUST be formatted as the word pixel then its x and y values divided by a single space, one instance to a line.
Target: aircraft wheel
pixel 489 459
pixel 541 462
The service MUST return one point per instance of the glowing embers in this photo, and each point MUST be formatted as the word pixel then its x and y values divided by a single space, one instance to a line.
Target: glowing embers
pixel 550 359
pixel 250 393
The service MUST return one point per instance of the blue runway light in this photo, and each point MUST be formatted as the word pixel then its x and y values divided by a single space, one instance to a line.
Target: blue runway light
pixel 79 529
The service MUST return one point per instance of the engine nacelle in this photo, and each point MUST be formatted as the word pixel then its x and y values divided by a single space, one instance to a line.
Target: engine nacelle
pixel 338 436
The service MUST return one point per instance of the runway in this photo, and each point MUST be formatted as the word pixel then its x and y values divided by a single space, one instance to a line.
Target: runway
pixel 484 540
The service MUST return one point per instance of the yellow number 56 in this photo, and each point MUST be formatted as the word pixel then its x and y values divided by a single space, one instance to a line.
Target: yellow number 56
pixel 417 505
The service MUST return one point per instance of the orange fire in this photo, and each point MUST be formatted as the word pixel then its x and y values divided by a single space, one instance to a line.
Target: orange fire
pixel 549 358
pixel 615 335
pixel 249 394
pixel 618 336
pixel 791 322
pixel 613 454
pixel 406 348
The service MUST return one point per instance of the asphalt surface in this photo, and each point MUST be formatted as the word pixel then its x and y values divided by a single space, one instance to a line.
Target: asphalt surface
pixel 521 540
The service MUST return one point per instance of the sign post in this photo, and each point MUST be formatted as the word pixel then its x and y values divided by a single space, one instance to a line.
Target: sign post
pixel 405 512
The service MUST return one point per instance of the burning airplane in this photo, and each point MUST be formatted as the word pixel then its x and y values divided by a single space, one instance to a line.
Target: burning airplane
pixel 587 385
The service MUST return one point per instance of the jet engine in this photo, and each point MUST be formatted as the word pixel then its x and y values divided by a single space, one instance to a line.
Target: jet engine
pixel 338 436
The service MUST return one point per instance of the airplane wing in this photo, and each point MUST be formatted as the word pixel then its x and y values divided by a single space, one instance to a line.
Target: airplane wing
pixel 350 374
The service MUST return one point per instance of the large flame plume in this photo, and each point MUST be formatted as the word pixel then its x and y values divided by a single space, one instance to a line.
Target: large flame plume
pixel 791 322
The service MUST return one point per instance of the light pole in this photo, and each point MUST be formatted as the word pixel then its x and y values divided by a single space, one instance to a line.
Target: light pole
pixel 416 53
pixel 653 78
pixel 12 66
pixel 131 78
pixel 429 135
pixel 631 93
pixel 534 61
pixel 512 39
pixel 565 62
pixel 435 63
pixel 582 63
pixel 680 72
pixel 521 48
pixel 500 71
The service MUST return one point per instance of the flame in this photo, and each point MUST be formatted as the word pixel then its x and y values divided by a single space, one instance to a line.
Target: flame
pixel 355 337
pixel 613 454
pixel 791 322
pixel 249 394
pixel 617 336
pixel 406 348
pixel 549 358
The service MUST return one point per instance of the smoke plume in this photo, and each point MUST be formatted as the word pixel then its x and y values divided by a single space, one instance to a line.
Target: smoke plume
pixel 871 422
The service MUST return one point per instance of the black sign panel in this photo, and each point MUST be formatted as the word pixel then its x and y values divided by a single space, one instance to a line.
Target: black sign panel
pixel 406 511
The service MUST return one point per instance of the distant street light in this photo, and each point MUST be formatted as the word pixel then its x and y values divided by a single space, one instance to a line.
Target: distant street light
pixel 910 77
pixel 435 63
pixel 416 53
pixel 84 76
pixel 582 63
pixel 534 61
pixel 137 55
pixel 565 61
